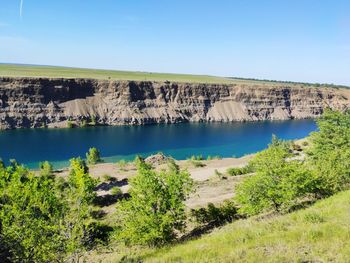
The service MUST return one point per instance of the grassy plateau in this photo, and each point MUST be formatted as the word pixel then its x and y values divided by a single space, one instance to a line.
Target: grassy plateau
pixel 15 70
pixel 37 71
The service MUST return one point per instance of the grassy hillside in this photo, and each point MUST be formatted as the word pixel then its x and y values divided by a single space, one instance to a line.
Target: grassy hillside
pixel 320 233
pixel 12 70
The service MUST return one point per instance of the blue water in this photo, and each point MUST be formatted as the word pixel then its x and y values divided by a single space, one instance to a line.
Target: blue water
pixel 30 146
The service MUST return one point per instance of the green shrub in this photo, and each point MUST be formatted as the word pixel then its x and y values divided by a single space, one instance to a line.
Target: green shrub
pixel 278 184
pixel 239 170
pixel 43 218
pixel 226 212
pixel 305 143
pixel 156 209
pixel 80 180
pixel 29 216
pixel 70 124
pixel 93 121
pixel 93 156
pixel 108 178
pixel 116 191
pixel 84 124
pixel 329 152
pixel 46 169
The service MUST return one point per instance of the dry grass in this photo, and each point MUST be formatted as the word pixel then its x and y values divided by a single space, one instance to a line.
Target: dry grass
pixel 320 233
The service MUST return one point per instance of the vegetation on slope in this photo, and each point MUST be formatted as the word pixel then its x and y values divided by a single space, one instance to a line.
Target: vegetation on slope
pixel 317 234
pixel 282 184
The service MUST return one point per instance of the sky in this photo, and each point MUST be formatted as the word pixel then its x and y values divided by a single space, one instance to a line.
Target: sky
pixel 296 40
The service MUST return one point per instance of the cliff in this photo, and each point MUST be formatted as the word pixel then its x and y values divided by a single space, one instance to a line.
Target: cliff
pixel 38 102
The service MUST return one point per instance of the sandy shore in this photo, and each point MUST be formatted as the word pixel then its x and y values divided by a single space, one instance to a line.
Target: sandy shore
pixel 209 188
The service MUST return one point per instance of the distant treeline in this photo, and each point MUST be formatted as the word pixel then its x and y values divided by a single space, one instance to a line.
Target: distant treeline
pixel 317 85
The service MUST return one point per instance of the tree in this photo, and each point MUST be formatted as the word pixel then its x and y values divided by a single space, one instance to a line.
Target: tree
pixel 156 208
pixel 329 152
pixel 93 156
pixel 278 182
pixel 80 182
pixel 333 134
pixel 29 216
pixel 43 219
pixel 78 196
pixel 46 169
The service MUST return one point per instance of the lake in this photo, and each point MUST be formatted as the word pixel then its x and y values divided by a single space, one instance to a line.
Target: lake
pixel 30 146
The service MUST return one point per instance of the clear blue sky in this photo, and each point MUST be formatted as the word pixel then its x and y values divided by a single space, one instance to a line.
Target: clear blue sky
pixel 300 40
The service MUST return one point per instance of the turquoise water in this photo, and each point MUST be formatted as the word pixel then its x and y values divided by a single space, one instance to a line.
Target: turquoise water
pixel 30 146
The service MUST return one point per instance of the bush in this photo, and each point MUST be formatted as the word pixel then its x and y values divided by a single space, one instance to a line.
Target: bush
pixel 29 216
pixel 93 121
pixel 108 178
pixel 93 156
pixel 226 212
pixel 156 209
pixel 84 124
pixel 44 219
pixel 278 184
pixel 80 180
pixel 46 169
pixel 329 152
pixel 70 124
pixel 116 191
pixel 239 170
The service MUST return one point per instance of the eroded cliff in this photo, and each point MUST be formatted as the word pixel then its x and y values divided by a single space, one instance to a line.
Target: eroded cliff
pixel 30 102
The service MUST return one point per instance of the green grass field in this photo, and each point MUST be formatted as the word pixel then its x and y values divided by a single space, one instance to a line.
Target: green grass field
pixel 12 70
pixel 19 70
pixel 320 233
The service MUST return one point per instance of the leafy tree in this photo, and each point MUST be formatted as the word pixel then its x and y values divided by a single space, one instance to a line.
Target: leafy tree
pixel 329 152
pixel 43 219
pixel 156 208
pixel 93 156
pixel 80 182
pixel 46 169
pixel 29 216
pixel 278 182
pixel 76 223
pixel 333 134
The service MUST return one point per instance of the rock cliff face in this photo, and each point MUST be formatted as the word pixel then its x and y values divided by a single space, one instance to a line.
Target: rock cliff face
pixel 29 102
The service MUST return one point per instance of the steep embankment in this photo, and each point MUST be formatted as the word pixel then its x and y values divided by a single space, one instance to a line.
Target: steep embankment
pixel 37 102
pixel 317 234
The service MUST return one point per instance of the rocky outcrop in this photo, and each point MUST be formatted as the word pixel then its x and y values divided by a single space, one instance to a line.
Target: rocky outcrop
pixel 30 102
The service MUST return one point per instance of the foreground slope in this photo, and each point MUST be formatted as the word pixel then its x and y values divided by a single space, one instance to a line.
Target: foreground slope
pixel 320 233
